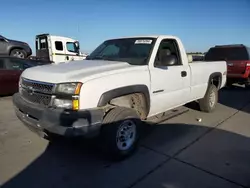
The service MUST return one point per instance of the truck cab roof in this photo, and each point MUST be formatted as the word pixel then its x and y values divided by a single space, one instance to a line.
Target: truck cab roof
pixel 148 36
pixel 55 37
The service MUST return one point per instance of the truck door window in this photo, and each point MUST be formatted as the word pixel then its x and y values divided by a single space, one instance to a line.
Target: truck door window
pixel 59 45
pixel 2 64
pixel 167 47
pixel 71 47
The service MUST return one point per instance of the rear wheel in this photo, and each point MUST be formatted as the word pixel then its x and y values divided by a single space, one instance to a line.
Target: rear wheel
pixel 247 84
pixel 210 100
pixel 120 133
pixel 18 53
pixel 229 84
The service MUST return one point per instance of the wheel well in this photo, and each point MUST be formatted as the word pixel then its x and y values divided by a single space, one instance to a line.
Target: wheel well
pixel 136 101
pixel 216 80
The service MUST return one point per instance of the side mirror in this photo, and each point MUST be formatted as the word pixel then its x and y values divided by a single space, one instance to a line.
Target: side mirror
pixel 169 60
pixel 77 46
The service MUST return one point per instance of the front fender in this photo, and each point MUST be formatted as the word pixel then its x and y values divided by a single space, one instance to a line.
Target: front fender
pixel 107 96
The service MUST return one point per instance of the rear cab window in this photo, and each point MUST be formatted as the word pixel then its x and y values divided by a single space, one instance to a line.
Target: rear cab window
pixel 41 43
pixel 227 53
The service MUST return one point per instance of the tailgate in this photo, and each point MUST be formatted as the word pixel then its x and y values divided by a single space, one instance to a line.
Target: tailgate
pixel 236 67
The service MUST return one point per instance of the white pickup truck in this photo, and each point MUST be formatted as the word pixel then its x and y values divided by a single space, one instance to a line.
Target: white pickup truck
pixel 121 83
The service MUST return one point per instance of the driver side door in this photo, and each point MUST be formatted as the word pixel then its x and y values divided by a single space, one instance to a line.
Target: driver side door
pixel 167 82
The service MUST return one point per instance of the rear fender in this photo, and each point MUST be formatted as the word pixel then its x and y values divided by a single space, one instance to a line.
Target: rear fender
pixel 214 75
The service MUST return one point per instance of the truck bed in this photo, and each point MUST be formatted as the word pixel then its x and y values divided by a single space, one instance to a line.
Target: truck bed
pixel 200 76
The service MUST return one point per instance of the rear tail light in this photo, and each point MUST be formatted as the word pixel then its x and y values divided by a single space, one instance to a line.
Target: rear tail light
pixel 248 63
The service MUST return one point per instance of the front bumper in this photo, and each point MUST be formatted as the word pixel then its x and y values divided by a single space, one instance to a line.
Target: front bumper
pixel 84 123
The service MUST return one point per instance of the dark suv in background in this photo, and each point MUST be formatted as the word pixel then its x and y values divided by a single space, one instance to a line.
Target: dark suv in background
pixel 14 48
pixel 238 62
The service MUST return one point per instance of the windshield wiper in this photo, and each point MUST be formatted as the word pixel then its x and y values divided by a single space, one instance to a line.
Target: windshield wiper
pixel 100 58
pixel 94 58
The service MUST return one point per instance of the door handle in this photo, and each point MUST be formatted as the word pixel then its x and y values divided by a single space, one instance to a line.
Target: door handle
pixel 183 73
pixel 67 57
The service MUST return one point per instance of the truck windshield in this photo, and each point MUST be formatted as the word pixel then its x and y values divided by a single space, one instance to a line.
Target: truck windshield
pixel 134 51
pixel 227 53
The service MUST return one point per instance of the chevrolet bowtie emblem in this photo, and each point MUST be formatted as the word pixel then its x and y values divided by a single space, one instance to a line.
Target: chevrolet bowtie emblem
pixel 30 90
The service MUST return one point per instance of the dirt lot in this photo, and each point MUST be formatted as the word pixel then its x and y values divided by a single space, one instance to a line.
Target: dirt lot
pixel 180 152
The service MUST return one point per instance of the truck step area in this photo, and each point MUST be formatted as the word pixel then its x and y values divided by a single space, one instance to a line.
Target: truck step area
pixel 167 115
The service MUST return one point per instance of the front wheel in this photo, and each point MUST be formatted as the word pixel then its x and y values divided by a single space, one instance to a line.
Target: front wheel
pixel 120 133
pixel 210 100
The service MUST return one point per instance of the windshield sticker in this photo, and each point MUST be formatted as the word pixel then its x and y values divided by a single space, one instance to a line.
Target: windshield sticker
pixel 143 41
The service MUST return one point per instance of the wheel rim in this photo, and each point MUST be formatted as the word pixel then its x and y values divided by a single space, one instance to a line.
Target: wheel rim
pixel 18 54
pixel 212 99
pixel 126 134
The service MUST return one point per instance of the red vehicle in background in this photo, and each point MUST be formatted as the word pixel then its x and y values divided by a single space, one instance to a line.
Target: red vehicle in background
pixel 10 71
pixel 238 62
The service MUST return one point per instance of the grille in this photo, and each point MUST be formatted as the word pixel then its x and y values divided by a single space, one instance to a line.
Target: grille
pixel 36 92
pixel 37 86
pixel 38 98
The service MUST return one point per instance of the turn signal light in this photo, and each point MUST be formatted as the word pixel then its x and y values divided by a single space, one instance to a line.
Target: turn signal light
pixel 78 88
pixel 75 104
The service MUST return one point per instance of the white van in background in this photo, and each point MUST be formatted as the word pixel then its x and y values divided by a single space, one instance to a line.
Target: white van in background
pixel 57 49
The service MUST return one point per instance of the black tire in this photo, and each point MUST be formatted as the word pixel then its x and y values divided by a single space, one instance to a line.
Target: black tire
pixel 18 53
pixel 51 137
pixel 113 121
pixel 247 85
pixel 206 104
pixel 229 84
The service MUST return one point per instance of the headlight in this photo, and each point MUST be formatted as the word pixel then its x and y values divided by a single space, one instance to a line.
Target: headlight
pixel 63 103
pixel 72 104
pixel 67 95
pixel 69 88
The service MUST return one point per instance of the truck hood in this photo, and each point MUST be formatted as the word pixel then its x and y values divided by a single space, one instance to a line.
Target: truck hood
pixel 75 71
